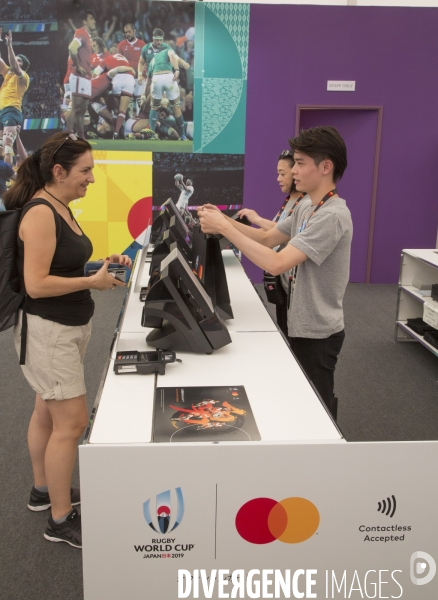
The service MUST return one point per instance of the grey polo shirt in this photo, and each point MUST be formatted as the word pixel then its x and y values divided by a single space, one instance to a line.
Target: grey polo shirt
pixel 316 304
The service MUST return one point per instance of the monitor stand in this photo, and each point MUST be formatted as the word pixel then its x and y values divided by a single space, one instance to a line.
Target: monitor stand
pixel 216 280
pixel 169 338
pixel 213 276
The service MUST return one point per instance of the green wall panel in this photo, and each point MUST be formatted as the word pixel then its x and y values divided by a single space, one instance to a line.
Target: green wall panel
pixel 221 66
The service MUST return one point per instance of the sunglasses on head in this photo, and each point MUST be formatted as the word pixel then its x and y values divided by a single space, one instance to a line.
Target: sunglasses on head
pixel 70 136
pixel 287 154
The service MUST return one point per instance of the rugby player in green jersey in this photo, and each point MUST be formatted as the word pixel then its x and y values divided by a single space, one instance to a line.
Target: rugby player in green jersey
pixel 162 77
pixel 163 73
pixel 150 50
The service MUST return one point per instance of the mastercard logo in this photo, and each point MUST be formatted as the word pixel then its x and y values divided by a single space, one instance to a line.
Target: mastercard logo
pixel 264 520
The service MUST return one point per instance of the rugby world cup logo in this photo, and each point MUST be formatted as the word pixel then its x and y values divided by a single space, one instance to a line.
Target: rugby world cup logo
pixel 166 513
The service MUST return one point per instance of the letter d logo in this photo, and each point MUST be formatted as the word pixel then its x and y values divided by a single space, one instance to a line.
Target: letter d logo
pixel 422 572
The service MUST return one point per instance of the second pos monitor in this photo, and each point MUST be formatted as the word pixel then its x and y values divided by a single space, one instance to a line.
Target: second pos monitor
pixel 181 312
pixel 202 252
pixel 188 294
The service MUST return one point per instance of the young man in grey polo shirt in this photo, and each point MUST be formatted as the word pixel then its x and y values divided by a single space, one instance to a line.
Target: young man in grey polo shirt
pixel 319 233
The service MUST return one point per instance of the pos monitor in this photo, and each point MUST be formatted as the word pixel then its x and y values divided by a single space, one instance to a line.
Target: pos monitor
pixel 160 223
pixel 168 227
pixel 181 312
pixel 176 234
pixel 202 252
pixel 141 258
pixel 204 258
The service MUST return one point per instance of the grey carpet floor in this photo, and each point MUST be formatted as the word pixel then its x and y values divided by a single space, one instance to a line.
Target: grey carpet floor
pixel 386 391
pixel 30 566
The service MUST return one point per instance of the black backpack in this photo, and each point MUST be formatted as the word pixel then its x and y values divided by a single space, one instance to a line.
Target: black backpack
pixel 12 292
pixel 11 288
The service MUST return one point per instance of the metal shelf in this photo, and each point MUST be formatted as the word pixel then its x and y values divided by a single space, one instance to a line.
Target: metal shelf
pixel 415 265
pixel 413 291
pixel 416 337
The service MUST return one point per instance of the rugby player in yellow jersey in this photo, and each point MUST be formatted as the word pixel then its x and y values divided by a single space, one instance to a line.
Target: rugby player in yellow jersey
pixel 15 84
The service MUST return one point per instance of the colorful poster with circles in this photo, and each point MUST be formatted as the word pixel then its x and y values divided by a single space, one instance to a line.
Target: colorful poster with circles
pixel 118 206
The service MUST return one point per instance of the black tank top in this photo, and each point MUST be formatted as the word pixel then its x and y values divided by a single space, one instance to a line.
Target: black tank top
pixel 71 253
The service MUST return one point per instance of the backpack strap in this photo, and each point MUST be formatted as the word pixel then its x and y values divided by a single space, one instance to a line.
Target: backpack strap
pixel 56 215
pixel 23 336
pixel 58 225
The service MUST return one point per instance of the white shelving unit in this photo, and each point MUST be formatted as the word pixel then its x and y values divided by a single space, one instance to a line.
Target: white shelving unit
pixel 416 266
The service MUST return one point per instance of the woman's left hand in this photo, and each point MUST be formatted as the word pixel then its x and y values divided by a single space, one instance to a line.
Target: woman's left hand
pixel 121 259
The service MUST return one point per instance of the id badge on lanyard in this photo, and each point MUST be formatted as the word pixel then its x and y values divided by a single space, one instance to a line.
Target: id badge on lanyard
pixel 303 226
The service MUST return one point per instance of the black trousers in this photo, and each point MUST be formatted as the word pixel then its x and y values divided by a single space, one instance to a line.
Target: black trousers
pixel 318 358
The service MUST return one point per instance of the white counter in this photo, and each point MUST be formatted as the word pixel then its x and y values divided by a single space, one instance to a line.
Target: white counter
pixel 285 405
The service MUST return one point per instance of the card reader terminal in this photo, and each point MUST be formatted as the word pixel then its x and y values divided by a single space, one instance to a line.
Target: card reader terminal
pixel 143 363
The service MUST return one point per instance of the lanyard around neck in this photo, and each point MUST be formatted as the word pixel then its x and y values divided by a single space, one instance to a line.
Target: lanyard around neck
pixel 283 206
pixel 323 201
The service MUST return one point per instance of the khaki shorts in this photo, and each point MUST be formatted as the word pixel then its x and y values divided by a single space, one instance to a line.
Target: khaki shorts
pixel 54 357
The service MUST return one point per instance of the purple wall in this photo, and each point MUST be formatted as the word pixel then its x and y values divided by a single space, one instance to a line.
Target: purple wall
pixel 392 54
pixel 359 130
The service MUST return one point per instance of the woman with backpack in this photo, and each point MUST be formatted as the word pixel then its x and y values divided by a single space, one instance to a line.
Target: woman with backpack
pixel 55 320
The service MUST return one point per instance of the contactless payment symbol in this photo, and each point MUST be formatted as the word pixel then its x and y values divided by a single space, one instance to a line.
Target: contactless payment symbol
pixel 291 521
pixel 165 518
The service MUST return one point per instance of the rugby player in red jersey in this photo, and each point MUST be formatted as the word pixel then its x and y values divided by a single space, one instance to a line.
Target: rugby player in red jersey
pixel 80 77
pixel 130 48
pixel 123 85
pixel 99 52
